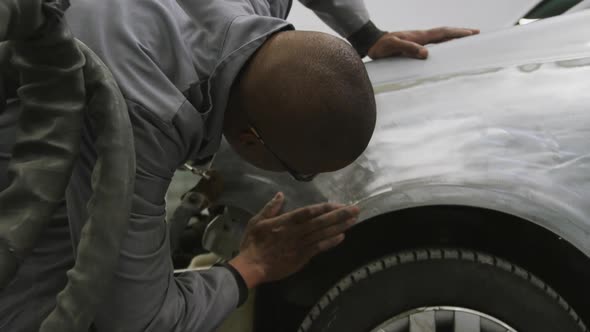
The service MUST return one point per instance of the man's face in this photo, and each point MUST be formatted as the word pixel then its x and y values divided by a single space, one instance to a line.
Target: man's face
pixel 299 176
pixel 247 146
pixel 252 147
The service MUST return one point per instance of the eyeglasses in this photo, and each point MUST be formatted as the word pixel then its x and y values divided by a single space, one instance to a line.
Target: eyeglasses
pixel 296 175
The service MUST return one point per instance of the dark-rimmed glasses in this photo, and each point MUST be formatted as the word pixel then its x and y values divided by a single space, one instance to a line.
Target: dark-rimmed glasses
pixel 296 175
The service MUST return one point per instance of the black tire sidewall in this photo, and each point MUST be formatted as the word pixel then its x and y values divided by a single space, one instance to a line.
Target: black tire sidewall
pixel 486 288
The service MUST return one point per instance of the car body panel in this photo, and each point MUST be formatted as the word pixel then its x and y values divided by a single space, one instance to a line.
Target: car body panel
pixel 498 121
pixel 583 5
pixel 424 14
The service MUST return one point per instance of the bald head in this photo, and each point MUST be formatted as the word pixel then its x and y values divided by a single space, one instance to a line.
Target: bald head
pixel 309 97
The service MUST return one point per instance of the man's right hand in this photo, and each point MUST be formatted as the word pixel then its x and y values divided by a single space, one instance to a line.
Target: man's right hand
pixel 277 245
pixel 411 43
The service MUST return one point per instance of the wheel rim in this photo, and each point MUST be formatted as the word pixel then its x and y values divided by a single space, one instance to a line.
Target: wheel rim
pixel 443 319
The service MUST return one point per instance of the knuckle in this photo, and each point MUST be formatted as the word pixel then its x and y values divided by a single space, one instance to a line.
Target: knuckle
pixel 344 213
pixel 307 211
pixel 330 207
pixel 392 41
pixel 317 210
pixel 342 226
pixel 324 233
pixel 306 214
pixel 345 225
pixel 318 247
pixel 312 251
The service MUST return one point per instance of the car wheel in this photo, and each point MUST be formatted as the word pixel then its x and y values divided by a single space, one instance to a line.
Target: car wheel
pixel 442 290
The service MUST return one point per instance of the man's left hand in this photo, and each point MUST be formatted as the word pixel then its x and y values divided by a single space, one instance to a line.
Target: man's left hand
pixel 411 43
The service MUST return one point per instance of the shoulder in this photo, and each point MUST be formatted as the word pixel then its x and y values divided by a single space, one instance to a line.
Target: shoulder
pixel 158 146
pixel 142 45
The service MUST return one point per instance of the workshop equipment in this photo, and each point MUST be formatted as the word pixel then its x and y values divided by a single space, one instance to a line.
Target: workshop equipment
pixel 62 84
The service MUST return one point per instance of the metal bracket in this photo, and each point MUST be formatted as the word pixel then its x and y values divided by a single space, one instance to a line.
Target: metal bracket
pixel 224 233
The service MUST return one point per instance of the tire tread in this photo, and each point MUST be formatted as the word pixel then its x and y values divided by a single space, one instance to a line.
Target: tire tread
pixel 417 255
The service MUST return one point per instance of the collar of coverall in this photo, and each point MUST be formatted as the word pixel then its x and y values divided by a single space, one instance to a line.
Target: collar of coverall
pixel 245 35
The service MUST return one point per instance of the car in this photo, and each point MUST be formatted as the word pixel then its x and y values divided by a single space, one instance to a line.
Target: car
pixel 474 192
pixel 424 14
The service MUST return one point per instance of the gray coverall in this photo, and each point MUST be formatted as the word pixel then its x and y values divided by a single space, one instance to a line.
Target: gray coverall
pixel 175 63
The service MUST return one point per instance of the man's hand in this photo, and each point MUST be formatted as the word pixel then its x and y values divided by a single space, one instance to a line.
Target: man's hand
pixel 411 43
pixel 275 246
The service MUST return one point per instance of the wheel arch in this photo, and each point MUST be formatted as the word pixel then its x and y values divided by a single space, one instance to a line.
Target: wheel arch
pixel 558 211
pixel 525 243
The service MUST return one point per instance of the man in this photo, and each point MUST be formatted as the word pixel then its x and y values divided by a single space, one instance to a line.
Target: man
pixel 285 100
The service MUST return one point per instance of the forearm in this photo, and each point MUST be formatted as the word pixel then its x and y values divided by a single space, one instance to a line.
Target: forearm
pixel 145 295
pixel 350 19
pixel 344 16
pixel 155 300
pixel 203 300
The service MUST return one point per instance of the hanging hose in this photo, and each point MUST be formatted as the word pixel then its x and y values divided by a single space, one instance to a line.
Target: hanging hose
pixel 108 208
pixel 4 57
pixel 60 79
pixel 52 96
pixel 22 19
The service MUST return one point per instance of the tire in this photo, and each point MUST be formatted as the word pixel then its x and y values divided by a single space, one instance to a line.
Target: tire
pixel 453 278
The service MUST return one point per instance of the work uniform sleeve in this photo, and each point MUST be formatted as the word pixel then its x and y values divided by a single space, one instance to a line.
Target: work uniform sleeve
pixel 145 295
pixel 350 19
pixel 344 16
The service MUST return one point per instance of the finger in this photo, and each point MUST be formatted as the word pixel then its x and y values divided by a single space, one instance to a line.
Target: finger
pixel 409 48
pixel 324 245
pixel 416 36
pixel 438 35
pixel 328 232
pixel 336 217
pixel 272 208
pixel 307 213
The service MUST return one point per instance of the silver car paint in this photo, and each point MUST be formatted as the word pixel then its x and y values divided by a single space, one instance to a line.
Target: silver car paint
pixel 396 15
pixel 583 5
pixel 498 121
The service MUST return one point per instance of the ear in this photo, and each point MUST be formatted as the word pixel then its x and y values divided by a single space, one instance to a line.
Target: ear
pixel 247 138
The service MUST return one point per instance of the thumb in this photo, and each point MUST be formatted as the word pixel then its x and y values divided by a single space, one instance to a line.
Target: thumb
pixel 272 208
